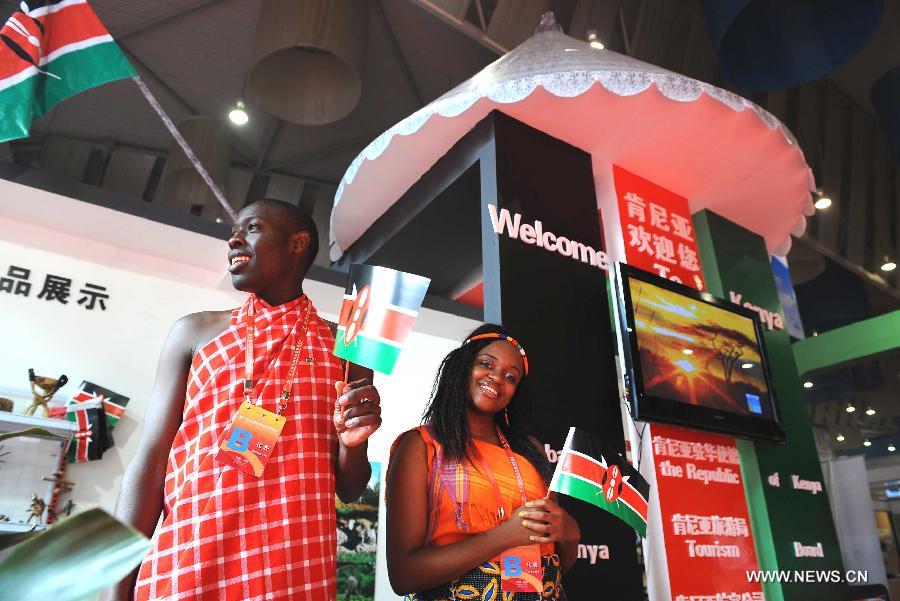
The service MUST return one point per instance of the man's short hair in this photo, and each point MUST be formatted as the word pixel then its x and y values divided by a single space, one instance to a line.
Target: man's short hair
pixel 299 220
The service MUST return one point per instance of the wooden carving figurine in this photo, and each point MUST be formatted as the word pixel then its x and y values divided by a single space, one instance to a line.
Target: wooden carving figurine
pixel 47 387
pixel 36 510
pixel 58 478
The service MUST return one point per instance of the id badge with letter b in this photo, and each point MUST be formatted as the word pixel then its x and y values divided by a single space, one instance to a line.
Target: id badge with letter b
pixel 520 570
pixel 250 439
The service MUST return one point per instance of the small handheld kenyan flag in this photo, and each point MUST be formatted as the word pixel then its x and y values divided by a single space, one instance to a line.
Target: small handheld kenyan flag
pixel 379 309
pixel 588 471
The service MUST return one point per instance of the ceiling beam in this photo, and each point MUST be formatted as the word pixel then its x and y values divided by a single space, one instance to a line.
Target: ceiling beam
pixel 324 153
pixel 162 19
pixel 398 52
pixel 463 26
pixel 267 144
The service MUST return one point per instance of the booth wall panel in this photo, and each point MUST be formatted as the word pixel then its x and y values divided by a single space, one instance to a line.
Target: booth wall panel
pixel 560 310
pixel 796 515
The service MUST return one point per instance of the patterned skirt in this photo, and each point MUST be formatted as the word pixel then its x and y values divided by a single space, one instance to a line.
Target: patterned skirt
pixel 483 584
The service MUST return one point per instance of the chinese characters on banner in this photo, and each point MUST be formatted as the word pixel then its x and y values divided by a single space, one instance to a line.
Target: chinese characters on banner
pixel 703 507
pixel 706 524
pixel 657 227
pixel 55 288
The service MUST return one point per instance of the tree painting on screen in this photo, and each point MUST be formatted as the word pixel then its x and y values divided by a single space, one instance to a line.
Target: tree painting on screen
pixel 696 353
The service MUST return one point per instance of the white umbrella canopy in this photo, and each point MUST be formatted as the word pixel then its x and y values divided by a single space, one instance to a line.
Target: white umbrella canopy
pixel 719 150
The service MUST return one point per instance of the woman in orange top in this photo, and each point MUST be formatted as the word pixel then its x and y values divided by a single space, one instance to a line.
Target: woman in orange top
pixel 467 490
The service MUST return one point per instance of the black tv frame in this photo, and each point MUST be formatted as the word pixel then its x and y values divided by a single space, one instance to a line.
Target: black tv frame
pixel 659 409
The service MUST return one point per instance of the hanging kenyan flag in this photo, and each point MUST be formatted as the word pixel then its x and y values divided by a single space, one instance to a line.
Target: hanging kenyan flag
pixel 113 402
pixel 588 471
pixel 379 309
pixel 48 53
pixel 92 436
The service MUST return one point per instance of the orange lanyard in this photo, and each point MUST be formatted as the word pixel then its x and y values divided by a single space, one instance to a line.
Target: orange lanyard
pixel 248 356
pixel 501 512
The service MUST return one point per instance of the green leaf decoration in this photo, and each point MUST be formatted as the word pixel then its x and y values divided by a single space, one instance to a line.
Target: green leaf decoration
pixel 34 432
pixel 72 560
pixel 8 539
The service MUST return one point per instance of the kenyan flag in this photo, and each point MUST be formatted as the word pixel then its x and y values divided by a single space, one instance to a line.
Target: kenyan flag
pixel 379 309
pixel 113 402
pixel 588 471
pixel 50 50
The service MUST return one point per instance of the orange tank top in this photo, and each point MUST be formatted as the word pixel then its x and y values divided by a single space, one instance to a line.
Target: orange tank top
pixel 472 507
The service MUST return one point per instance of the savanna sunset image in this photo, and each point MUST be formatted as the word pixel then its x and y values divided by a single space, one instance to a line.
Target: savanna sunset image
pixel 696 353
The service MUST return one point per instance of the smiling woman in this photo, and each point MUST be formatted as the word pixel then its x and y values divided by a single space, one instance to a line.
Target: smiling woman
pixel 469 486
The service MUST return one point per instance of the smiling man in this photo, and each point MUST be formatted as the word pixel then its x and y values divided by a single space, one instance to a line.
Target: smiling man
pixel 227 533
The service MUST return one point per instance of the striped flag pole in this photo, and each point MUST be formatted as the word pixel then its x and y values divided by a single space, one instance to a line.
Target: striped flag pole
pixel 185 147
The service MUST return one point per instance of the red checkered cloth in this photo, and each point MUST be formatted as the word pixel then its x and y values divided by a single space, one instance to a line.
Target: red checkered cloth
pixel 229 535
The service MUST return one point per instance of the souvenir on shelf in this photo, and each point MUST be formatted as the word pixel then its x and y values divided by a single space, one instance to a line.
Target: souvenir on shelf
pixel 92 437
pixel 113 402
pixel 43 389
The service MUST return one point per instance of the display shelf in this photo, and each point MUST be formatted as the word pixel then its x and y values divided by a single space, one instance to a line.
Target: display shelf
pixel 24 460
pixel 11 422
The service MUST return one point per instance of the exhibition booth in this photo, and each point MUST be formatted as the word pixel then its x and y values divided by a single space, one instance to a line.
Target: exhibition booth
pixel 619 218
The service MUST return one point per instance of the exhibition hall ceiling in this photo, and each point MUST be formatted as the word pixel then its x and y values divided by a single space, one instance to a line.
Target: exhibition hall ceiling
pixel 195 56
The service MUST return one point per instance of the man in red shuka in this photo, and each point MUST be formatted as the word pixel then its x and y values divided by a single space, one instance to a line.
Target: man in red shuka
pixel 227 534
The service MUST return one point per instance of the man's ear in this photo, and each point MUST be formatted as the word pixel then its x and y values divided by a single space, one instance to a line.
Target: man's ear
pixel 301 242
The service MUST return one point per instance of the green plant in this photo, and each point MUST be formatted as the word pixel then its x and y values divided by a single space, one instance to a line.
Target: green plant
pixel 72 560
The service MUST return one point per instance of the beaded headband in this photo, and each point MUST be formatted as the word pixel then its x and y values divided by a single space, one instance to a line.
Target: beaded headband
pixel 498 336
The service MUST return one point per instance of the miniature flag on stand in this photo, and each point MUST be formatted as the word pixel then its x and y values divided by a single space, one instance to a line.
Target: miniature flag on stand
pixel 92 437
pixel 113 402
pixel 379 309
pixel 48 53
pixel 588 471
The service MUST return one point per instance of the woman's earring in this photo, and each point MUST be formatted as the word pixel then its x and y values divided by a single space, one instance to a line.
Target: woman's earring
pixel 506 415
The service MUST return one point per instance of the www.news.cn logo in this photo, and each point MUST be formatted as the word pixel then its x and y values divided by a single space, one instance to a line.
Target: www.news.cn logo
pixel 808 576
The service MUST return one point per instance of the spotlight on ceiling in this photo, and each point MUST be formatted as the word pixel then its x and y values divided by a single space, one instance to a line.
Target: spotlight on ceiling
pixel 595 41
pixel 822 202
pixel 807 384
pixel 839 438
pixel 870 411
pixel 891 448
pixel 867 443
pixel 851 407
pixel 888 264
pixel 746 365
pixel 238 114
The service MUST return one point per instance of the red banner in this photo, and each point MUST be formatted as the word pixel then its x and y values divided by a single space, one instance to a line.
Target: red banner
pixel 658 231
pixel 703 507
pixel 706 524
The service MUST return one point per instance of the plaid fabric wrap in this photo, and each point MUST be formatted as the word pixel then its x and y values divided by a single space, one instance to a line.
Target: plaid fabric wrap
pixel 228 535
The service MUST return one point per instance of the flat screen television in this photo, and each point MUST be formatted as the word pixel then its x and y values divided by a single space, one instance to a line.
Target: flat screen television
pixel 692 359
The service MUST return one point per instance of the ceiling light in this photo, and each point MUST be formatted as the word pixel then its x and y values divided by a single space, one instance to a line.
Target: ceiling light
pixel 595 41
pixel 839 438
pixel 888 265
pixel 822 203
pixel 891 448
pixel 807 384
pixel 851 407
pixel 238 114
pixel 870 411
pixel 746 365
pixel 867 443
pixel 688 351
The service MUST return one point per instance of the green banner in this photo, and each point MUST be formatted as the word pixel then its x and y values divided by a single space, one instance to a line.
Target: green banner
pixel 789 510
